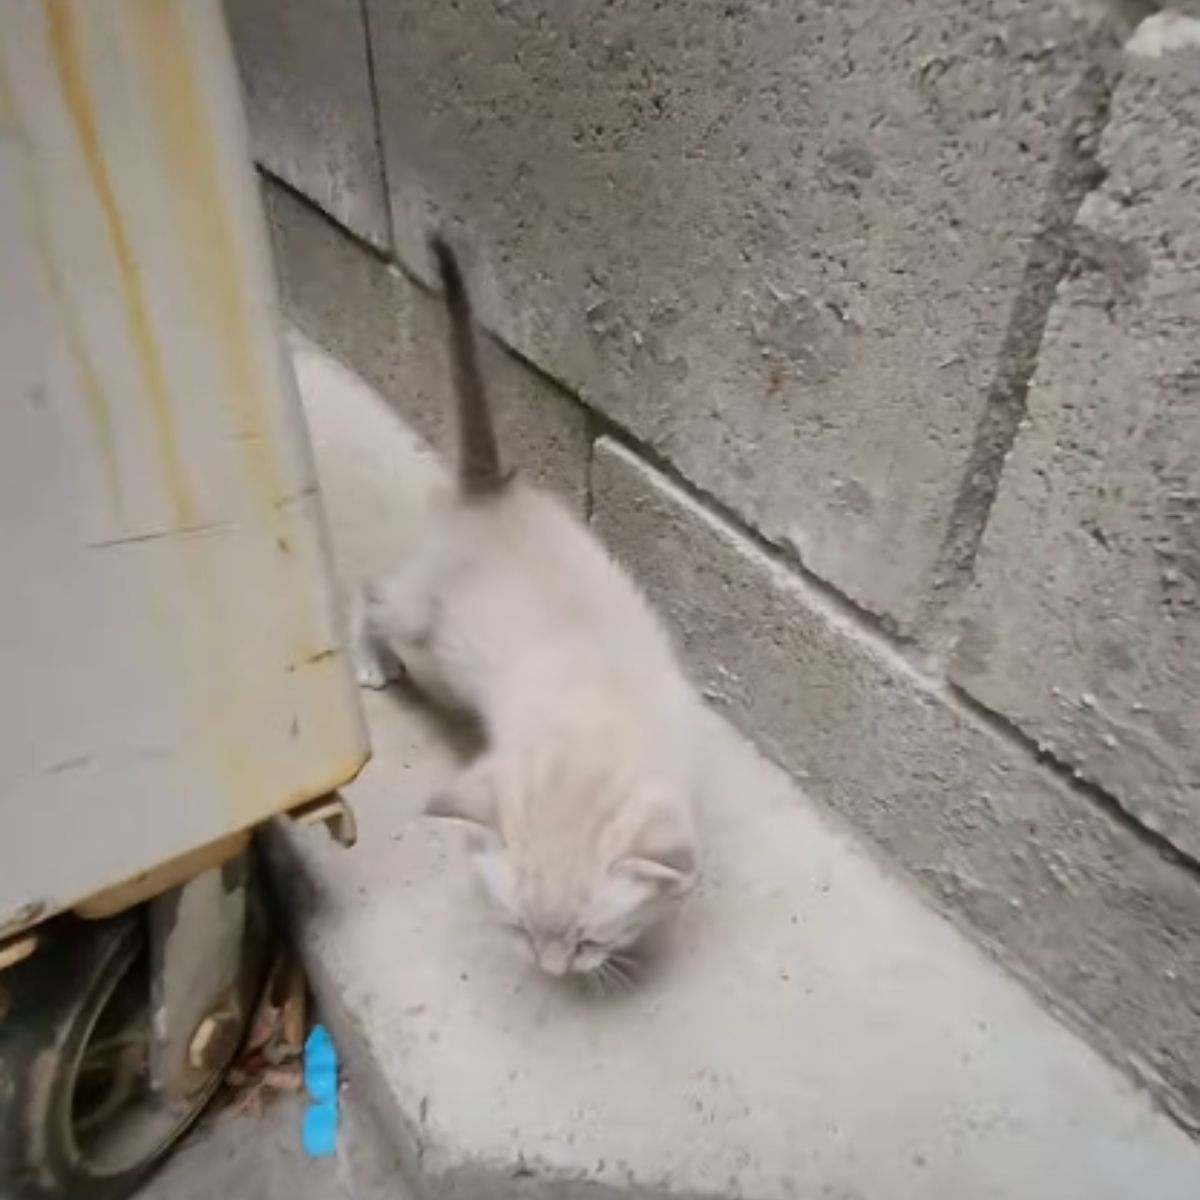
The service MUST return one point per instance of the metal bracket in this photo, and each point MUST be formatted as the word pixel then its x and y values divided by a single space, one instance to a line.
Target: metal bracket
pixel 336 814
pixel 16 949
pixel 196 940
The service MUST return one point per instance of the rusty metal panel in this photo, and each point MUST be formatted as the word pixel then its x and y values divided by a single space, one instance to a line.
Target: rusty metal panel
pixel 172 667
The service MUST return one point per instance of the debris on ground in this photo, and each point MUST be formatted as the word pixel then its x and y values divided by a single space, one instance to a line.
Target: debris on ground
pixel 270 1061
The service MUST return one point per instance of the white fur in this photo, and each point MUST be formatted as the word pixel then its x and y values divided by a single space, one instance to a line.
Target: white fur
pixel 581 804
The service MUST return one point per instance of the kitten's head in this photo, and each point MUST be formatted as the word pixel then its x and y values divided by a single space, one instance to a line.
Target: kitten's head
pixel 602 863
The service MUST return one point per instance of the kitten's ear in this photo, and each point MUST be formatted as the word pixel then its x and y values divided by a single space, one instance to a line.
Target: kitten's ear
pixel 664 855
pixel 469 797
pixel 654 876
pixel 659 876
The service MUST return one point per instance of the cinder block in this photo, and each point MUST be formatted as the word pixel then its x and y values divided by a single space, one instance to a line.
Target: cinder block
pixel 392 333
pixel 1083 624
pixel 797 247
pixel 308 97
pixel 1100 922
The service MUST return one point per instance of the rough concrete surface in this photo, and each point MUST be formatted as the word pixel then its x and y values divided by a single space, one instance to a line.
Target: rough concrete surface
pixel 1099 920
pixel 813 1030
pixel 231 1156
pixel 809 1029
pixel 793 246
pixel 1083 624
pixel 392 332
pixel 307 87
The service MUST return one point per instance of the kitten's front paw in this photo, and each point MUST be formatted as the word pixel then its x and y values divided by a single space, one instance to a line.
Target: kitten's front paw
pixel 372 674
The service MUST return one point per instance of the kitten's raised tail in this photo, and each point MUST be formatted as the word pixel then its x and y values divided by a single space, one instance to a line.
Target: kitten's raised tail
pixel 479 471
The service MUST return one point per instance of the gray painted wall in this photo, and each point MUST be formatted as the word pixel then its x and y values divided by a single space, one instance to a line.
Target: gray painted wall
pixel 887 319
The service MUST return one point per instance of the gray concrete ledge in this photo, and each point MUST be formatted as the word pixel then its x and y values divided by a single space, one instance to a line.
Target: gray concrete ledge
pixel 1075 901
pixel 835 336
pixel 812 1029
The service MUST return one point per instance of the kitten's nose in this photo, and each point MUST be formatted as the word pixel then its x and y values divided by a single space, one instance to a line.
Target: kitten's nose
pixel 553 960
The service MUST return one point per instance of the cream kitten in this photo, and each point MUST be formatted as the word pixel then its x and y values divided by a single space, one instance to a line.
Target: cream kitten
pixel 580 807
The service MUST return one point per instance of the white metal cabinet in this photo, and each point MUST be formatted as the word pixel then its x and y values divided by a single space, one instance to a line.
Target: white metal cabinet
pixel 171 660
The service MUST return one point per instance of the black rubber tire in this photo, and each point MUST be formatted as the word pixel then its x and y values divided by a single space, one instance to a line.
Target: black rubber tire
pixel 53 1000
pixel 49 1005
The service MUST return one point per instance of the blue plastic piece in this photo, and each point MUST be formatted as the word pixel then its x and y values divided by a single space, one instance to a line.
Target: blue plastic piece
pixel 318 1130
pixel 320 1065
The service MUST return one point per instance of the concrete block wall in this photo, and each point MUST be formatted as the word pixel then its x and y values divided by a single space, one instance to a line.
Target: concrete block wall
pixel 869 335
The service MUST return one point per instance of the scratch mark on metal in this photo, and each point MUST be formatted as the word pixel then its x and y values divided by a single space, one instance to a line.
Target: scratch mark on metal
pixel 296 498
pixel 69 764
pixel 312 659
pixel 198 530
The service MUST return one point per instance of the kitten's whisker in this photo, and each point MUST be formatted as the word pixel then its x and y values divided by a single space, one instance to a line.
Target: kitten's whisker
pixel 624 966
pixel 618 974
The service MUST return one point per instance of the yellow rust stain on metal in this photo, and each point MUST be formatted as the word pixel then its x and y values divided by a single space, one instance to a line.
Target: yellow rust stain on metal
pixel 163 64
pixel 68 62
pixel 147 884
pixel 161 53
pixel 219 267
pixel 341 776
pixel 93 393
pixel 209 671
pixel 188 141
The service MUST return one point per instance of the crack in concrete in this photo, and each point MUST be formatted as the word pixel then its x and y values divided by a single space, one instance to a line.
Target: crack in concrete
pixel 1077 173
